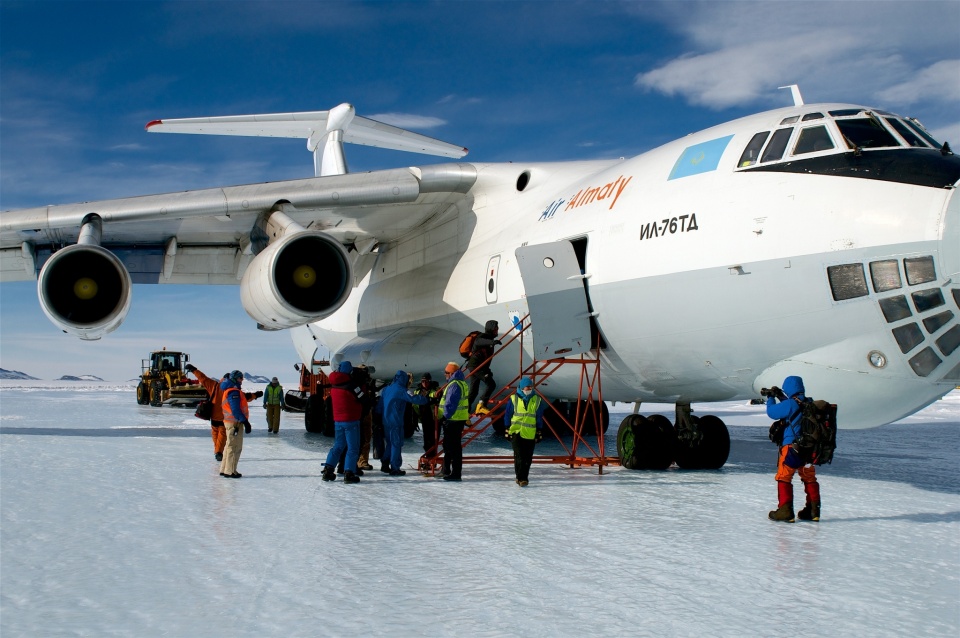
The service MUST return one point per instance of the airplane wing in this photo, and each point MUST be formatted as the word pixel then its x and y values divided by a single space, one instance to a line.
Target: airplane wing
pixel 206 236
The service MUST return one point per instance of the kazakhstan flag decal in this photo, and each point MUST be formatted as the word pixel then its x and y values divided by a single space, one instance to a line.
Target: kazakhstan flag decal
pixel 700 158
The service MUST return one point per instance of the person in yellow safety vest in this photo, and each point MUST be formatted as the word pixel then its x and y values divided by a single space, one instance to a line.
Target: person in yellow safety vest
pixel 273 402
pixel 523 419
pixel 454 412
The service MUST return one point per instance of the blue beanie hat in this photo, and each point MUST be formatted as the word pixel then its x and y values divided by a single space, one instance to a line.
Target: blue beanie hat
pixel 345 367
pixel 525 383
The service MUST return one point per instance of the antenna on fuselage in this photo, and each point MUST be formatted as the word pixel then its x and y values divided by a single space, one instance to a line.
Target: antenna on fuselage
pixel 795 92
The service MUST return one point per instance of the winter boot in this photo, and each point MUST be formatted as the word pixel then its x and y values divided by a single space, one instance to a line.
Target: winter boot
pixel 328 474
pixel 784 514
pixel 385 468
pixel 810 512
pixel 481 409
pixel 350 477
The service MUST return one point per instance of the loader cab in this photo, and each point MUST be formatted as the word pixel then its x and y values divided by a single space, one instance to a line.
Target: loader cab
pixel 164 361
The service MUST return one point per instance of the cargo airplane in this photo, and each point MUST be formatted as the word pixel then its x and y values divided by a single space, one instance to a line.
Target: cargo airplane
pixel 820 240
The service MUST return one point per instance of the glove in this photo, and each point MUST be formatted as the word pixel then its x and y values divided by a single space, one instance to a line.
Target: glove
pixel 538 437
pixel 189 367
pixel 498 342
pixel 236 430
pixel 508 435
pixel 246 427
pixel 258 394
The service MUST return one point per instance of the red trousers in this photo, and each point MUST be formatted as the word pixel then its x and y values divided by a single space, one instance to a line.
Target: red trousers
pixel 219 436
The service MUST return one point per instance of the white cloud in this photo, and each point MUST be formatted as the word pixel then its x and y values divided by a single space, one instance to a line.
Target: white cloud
pixel 408 120
pixel 939 81
pixel 739 52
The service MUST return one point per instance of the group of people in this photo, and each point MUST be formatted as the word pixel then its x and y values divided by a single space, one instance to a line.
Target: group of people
pixel 353 393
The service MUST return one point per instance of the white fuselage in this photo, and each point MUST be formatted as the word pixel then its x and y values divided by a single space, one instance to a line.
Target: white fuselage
pixel 706 287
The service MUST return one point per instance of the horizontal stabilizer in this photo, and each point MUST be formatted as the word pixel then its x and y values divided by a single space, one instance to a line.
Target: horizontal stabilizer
pixel 360 130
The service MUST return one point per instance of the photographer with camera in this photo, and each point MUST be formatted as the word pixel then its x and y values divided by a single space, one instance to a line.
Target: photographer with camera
pixel 785 406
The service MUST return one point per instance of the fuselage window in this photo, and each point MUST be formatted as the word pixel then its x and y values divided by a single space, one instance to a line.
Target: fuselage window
pixel 847 281
pixel 905 132
pixel 925 300
pixel 885 275
pixel 752 152
pixel 777 145
pixel 866 132
pixel 895 308
pixel 922 132
pixel 920 270
pixel 908 337
pixel 812 116
pixel 813 139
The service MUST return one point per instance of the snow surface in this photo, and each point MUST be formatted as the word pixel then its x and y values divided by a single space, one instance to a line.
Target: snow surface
pixel 115 522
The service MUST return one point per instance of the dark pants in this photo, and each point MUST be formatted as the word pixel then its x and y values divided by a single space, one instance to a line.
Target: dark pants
pixel 522 456
pixel 429 425
pixel 452 450
pixel 490 385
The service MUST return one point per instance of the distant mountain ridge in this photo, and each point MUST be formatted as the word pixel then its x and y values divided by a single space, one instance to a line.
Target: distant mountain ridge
pixel 16 374
pixel 82 377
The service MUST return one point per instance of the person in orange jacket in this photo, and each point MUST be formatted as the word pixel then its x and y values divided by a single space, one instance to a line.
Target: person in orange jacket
pixel 212 386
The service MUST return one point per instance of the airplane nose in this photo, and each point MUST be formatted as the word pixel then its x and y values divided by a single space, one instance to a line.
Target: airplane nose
pixel 950 238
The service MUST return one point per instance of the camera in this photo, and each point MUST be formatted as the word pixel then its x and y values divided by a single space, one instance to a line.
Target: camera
pixel 771 392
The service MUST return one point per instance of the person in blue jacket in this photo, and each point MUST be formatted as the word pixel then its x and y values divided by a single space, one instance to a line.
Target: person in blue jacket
pixel 395 398
pixel 785 404
pixel 523 419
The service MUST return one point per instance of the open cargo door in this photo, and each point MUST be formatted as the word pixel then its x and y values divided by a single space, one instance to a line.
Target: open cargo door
pixel 556 299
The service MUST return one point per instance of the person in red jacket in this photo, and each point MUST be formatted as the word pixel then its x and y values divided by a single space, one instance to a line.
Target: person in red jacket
pixel 347 411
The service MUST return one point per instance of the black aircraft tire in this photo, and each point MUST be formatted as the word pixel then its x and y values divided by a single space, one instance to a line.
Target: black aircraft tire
pixel 313 414
pixel 143 393
pixel 329 426
pixel 710 452
pixel 627 436
pixel 715 448
pixel 658 444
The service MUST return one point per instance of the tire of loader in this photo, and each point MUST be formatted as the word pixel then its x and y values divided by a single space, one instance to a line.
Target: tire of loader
pixel 143 393
pixel 156 393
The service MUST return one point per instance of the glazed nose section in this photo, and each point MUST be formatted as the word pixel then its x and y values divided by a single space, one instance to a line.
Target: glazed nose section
pixel 950 238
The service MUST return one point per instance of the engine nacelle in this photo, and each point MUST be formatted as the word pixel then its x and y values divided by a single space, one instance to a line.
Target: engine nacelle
pixel 85 290
pixel 300 278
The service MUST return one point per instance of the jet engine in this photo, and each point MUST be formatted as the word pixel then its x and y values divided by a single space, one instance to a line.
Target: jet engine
pixel 85 289
pixel 299 278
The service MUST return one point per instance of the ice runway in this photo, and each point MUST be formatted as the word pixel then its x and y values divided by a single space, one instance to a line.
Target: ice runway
pixel 116 522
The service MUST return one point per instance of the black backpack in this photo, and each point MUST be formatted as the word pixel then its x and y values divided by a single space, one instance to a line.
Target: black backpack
pixel 818 432
pixel 204 410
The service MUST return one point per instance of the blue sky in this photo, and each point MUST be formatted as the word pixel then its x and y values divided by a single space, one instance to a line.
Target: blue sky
pixel 511 81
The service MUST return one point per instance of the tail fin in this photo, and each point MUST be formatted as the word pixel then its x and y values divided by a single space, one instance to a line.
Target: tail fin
pixel 325 132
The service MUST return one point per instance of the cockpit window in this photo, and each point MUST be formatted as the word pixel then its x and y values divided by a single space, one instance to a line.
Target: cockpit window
pixel 922 132
pixel 752 152
pixel 777 145
pixel 789 120
pixel 845 112
pixel 865 132
pixel 813 139
pixel 909 136
pixel 812 116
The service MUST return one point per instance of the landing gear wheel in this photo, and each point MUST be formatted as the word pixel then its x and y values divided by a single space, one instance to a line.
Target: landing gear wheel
pixel 156 393
pixel 646 443
pixel 313 414
pixel 143 393
pixel 708 449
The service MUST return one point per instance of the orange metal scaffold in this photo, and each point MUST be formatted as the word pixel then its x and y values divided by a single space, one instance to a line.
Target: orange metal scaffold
pixel 582 448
